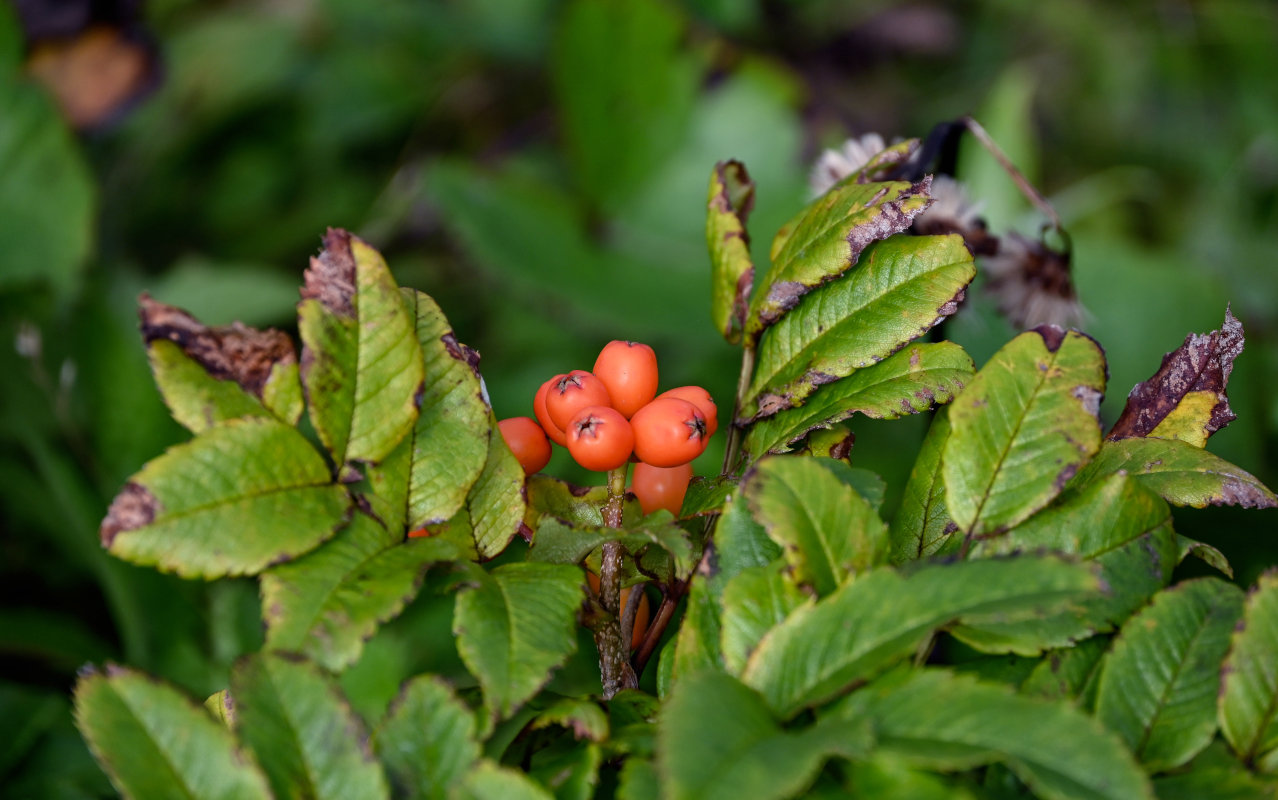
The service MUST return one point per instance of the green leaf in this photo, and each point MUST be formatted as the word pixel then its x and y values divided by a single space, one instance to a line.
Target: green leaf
pixel 754 602
pixel 639 780
pixel 922 525
pixel 558 543
pixel 222 707
pixel 731 270
pixel 450 440
pixel 1183 474
pixel 1022 428
pixel 209 375
pixel 901 288
pixel 1205 552
pixel 496 504
pixel 329 602
pixel 950 722
pixel 717 740
pixel 696 646
pixel 488 781
pixel 153 741
pixel 1215 775
pixel 916 378
pixel 302 730
pixel 1122 527
pixel 427 740
pixel 829 532
pixel 1249 694
pixel 581 716
pixel 1158 690
pixel 516 624
pixel 48 198
pixel 579 506
pixel 242 495
pixel 829 237
pixel 626 87
pixel 1065 673
pixel 891 778
pixel 568 768
pixel 740 542
pixel 361 363
pixel 707 496
pixel 883 617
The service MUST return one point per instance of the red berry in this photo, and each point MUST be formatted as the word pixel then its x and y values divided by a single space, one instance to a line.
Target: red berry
pixel 669 432
pixel 527 441
pixel 555 433
pixel 701 399
pixel 600 439
pixel 629 370
pixel 573 392
pixel 660 487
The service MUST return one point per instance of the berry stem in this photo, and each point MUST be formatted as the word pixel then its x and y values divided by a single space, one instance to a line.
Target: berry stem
pixel 615 671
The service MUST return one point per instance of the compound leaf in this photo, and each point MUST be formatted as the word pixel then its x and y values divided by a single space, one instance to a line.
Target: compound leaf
pixel 302 730
pixel 427 739
pixel 899 290
pixel 244 494
pixel 1183 474
pixel 881 617
pixel 450 439
pixel 153 741
pixel 922 525
pixel 947 722
pixel 329 602
pixel 1158 689
pixel 828 531
pixel 731 270
pixel 717 740
pixel 1249 695
pixel 361 363
pixel 514 625
pixel 828 238
pixel 917 378
pixel 1022 428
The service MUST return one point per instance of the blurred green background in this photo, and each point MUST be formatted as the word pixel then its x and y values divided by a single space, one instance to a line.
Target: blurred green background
pixel 540 168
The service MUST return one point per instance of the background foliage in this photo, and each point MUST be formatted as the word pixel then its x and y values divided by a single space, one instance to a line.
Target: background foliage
pixel 539 169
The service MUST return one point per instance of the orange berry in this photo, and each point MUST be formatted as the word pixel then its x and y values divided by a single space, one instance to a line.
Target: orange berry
pixel 701 399
pixel 629 370
pixel 600 439
pixel 669 432
pixel 527 441
pixel 552 430
pixel 660 487
pixel 573 392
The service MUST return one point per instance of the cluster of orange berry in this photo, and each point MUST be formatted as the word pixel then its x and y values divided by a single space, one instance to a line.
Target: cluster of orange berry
pixel 612 415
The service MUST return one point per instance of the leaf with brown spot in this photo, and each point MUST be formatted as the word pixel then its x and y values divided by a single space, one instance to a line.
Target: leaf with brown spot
pixel 731 270
pixel 1021 428
pixel 1186 398
pixel 914 379
pixel 898 291
pixel 239 497
pixel 208 375
pixel 1183 474
pixel 827 239
pixel 361 362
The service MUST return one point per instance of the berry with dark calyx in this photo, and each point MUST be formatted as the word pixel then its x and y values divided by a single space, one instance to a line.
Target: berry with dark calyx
pixel 629 371
pixel 600 439
pixel 669 432
pixel 573 392
pixel 527 441
pixel 701 399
